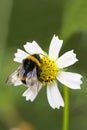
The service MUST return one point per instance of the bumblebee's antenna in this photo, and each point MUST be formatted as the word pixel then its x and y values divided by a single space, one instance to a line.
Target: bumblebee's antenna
pixel 42 54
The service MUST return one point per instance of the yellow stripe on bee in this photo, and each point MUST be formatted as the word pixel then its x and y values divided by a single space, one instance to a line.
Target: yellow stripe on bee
pixel 23 78
pixel 34 59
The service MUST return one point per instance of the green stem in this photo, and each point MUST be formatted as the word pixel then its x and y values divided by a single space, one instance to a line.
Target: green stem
pixel 66 109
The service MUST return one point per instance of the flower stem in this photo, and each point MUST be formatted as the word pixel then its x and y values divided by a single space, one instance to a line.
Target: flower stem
pixel 66 109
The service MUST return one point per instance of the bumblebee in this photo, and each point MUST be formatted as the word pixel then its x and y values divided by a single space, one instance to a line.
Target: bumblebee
pixel 28 73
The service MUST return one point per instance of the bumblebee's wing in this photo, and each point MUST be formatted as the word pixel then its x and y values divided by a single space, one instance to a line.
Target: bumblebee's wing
pixel 14 78
pixel 32 81
pixel 31 78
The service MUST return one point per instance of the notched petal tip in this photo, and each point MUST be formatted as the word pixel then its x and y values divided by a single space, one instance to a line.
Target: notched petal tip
pixel 80 78
pixel 74 55
pixel 20 55
pixel 58 107
pixel 29 95
pixel 55 36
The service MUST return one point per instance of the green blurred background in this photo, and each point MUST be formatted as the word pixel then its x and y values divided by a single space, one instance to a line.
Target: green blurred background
pixel 39 20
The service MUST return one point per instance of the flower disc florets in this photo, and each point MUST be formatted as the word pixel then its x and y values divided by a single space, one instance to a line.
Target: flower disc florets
pixel 48 70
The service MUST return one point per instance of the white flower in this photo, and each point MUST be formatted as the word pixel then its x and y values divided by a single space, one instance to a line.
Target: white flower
pixel 54 69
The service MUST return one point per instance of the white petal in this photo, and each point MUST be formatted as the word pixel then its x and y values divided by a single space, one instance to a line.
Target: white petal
pixel 66 59
pixel 33 48
pixel 54 97
pixel 32 92
pixel 20 55
pixel 55 47
pixel 71 80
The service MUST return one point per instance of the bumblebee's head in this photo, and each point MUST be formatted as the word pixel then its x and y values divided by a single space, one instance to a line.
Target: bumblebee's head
pixel 37 56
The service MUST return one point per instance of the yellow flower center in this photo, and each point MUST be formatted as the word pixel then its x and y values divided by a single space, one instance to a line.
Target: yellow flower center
pixel 48 70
